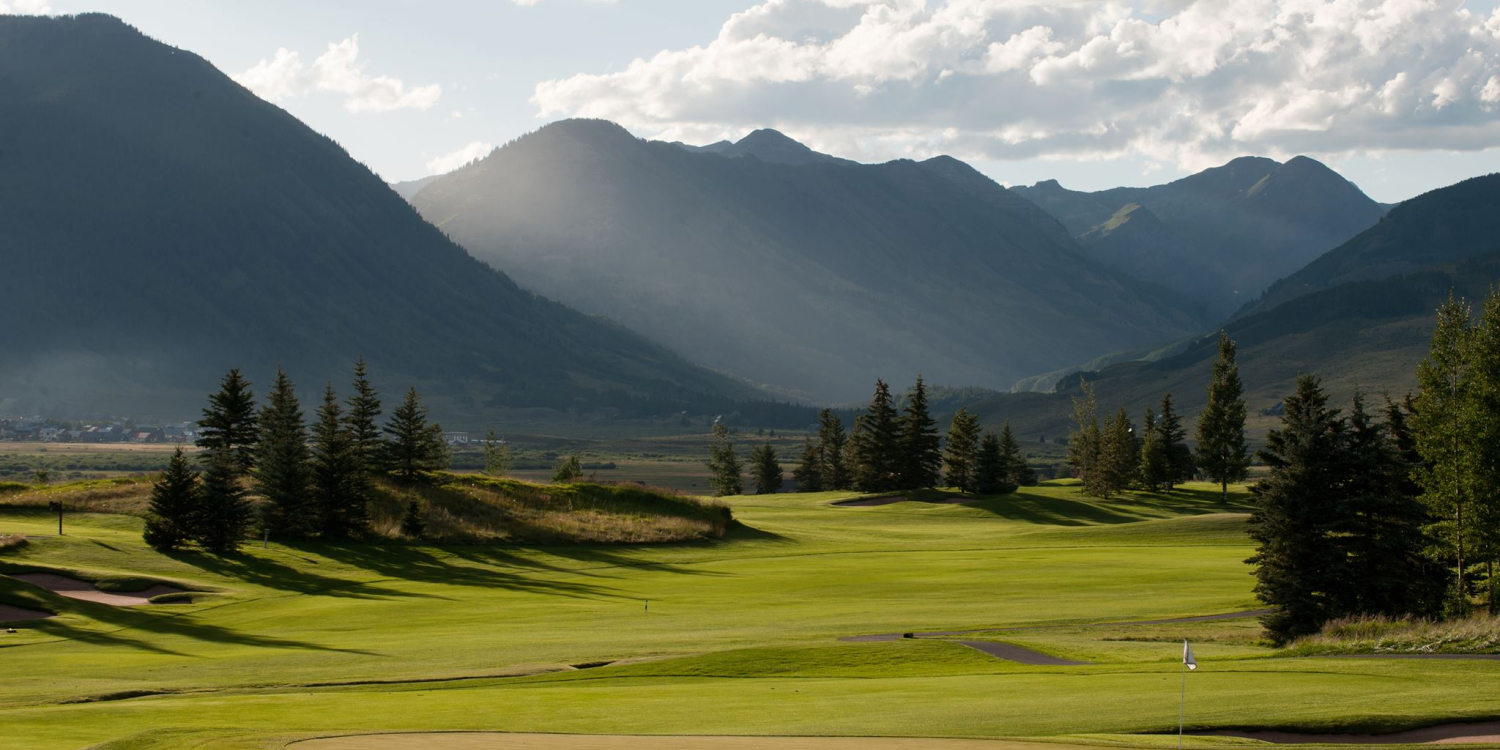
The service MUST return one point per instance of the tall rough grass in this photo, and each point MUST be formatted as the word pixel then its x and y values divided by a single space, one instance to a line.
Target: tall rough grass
pixel 1369 634
pixel 127 495
pixel 12 541
pixel 475 509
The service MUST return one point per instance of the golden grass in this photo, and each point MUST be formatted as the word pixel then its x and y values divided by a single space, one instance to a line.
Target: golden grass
pixel 474 509
pixel 11 541
pixel 1369 634
pixel 126 495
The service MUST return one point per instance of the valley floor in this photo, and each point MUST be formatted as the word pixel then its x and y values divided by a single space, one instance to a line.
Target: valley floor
pixel 743 636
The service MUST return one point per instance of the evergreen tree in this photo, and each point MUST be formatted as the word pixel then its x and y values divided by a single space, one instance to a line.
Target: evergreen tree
pixel 568 471
pixel 1442 427
pixel 1017 471
pixel 876 444
pixel 228 424
pixel 990 467
pixel 172 514
pixel 1155 462
pixel 1222 454
pixel 496 456
pixel 1298 568
pixel 363 421
pixel 767 470
pixel 1382 525
pixel 724 468
pixel 1179 457
pixel 920 458
pixel 340 488
pixel 1484 426
pixel 414 448
pixel 961 454
pixel 414 522
pixel 832 442
pixel 1117 455
pixel 809 472
pixel 281 468
pixel 224 513
pixel 1086 440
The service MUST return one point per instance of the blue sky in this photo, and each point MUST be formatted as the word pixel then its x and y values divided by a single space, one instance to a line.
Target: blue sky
pixel 1400 96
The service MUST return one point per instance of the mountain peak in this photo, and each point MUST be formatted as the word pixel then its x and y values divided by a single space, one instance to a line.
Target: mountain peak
pixel 774 146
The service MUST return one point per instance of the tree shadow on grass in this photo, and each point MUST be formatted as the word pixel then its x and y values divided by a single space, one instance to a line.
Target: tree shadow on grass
pixel 1126 507
pixel 271 574
pixel 496 569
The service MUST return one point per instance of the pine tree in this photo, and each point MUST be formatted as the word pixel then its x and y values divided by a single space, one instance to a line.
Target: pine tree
pixel 1155 462
pixel 414 522
pixel 724 470
pixel 961 454
pixel 1222 454
pixel 568 471
pixel 1117 455
pixel 990 467
pixel 1298 568
pixel 281 461
pixel 767 470
pixel 340 488
pixel 1442 427
pixel 363 422
pixel 224 514
pixel 809 472
pixel 172 514
pixel 1017 471
pixel 832 442
pixel 414 448
pixel 1085 441
pixel 1179 457
pixel 875 445
pixel 496 456
pixel 920 458
pixel 1381 532
pixel 1484 412
pixel 228 424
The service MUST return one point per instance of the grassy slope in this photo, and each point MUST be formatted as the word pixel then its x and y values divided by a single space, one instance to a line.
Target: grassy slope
pixel 748 629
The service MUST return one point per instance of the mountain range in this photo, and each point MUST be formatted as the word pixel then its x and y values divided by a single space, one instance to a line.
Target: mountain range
pixel 812 274
pixel 160 224
pixel 1360 316
pixel 1221 236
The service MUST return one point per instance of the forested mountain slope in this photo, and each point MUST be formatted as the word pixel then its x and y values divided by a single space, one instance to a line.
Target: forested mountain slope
pixel 794 269
pixel 160 224
pixel 1220 236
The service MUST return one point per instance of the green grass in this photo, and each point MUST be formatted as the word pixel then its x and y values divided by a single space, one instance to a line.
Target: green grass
pixel 741 637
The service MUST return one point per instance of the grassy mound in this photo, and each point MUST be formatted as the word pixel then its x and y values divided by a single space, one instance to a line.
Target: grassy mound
pixel 127 495
pixel 469 508
pixel 1368 634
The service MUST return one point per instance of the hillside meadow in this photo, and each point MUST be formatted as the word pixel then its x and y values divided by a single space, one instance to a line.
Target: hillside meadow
pixel 735 636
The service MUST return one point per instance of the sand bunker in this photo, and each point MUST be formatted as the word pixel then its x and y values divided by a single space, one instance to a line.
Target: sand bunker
pixel 85 591
pixel 1447 734
pixel 506 741
pixel 17 614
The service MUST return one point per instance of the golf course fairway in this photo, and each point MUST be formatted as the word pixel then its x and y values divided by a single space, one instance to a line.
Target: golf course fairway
pixel 729 644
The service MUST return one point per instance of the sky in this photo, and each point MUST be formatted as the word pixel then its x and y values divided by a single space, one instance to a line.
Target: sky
pixel 1400 96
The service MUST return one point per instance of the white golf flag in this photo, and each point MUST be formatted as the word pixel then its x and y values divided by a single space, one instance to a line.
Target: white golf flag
pixel 1187 655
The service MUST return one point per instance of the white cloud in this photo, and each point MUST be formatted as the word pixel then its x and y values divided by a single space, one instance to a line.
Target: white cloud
pixel 1187 82
pixel 25 7
pixel 336 71
pixel 449 162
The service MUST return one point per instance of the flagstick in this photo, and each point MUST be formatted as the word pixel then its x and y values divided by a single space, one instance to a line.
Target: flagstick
pixel 1182 704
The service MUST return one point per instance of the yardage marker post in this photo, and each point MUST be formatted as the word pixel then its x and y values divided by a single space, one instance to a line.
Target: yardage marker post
pixel 57 506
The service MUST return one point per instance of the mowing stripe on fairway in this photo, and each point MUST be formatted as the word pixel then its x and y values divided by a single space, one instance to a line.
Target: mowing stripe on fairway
pixel 508 741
